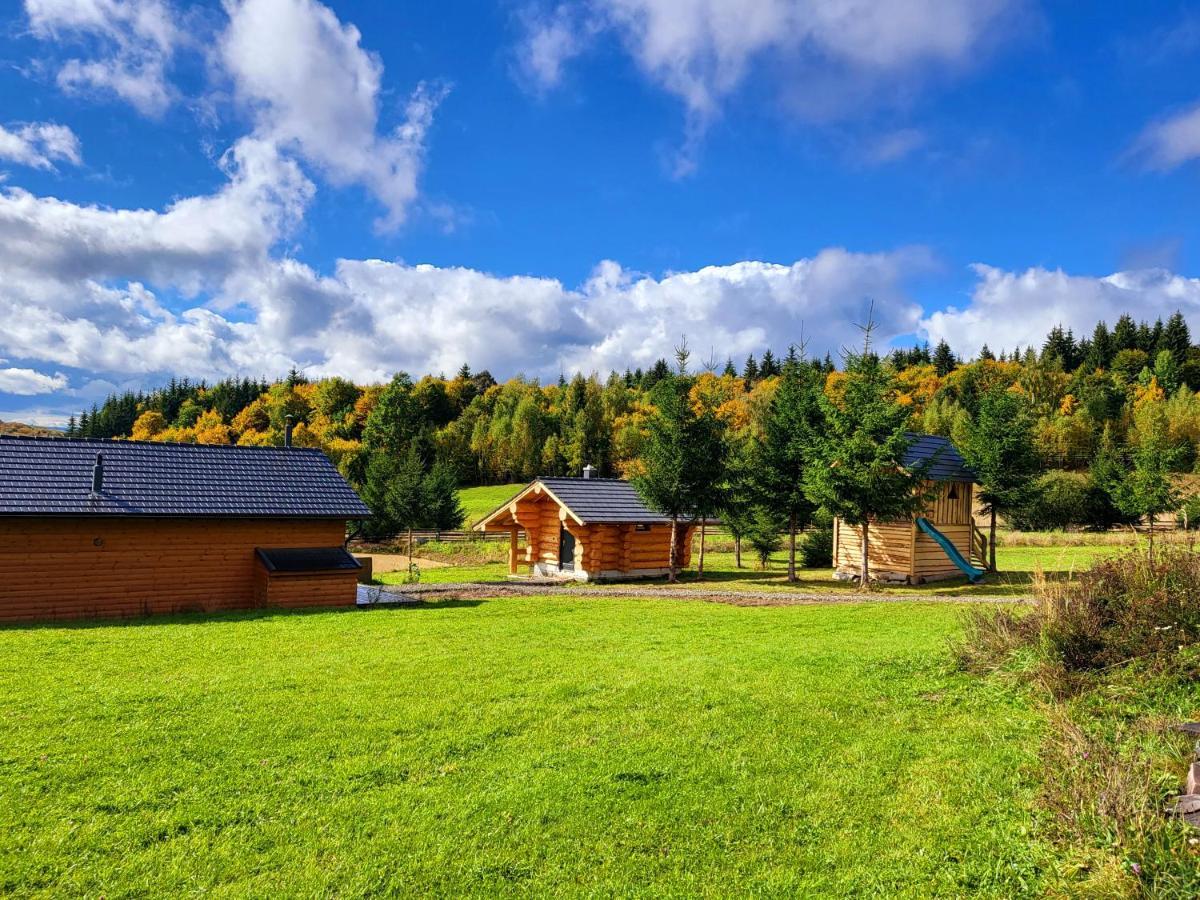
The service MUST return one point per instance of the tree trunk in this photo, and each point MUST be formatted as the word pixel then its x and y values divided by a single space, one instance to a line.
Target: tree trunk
pixel 864 575
pixel 737 550
pixel 700 566
pixel 792 547
pixel 1150 552
pixel 672 559
pixel 410 547
pixel 992 543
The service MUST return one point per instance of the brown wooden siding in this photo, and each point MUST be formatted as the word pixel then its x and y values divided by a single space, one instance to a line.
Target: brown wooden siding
pixel 889 546
pixel 932 561
pixel 91 567
pixel 944 510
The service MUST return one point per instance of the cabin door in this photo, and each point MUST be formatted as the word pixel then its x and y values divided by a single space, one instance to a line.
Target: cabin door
pixel 566 550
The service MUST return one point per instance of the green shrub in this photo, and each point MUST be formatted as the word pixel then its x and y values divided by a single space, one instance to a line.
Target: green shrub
pixel 816 548
pixel 1065 499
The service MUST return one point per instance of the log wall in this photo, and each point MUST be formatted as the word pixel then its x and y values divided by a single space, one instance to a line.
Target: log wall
pixel 889 544
pixel 65 568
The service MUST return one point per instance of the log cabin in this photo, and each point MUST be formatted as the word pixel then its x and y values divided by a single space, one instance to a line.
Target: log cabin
pixel 941 541
pixel 588 529
pixel 92 528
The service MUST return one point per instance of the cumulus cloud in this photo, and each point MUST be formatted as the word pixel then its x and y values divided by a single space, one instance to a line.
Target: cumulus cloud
pixel 1008 309
pixel 312 87
pixel 702 50
pixel 39 145
pixel 27 382
pixel 1172 141
pixel 132 43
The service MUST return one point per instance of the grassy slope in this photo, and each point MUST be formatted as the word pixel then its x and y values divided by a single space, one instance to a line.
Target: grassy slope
pixel 479 501
pixel 572 745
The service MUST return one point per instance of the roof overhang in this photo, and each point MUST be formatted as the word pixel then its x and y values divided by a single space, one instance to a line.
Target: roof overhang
pixel 536 487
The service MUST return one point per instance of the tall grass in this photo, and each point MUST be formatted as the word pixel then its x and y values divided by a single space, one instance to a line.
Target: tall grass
pixel 1114 655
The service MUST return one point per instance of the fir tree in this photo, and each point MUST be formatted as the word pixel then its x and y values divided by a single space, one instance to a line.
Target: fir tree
pixel 1124 336
pixel 787 450
pixel 943 359
pixel 750 370
pixel 998 446
pixel 683 461
pixel 1176 338
pixel 860 473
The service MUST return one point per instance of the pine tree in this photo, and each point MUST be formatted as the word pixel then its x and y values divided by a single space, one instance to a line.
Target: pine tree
pixel 768 368
pixel 730 370
pixel 1146 490
pixel 787 450
pixel 860 473
pixel 986 353
pixel 998 446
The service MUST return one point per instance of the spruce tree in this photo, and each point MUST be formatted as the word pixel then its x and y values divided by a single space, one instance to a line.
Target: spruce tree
pixel 943 359
pixel 683 461
pixel 750 370
pixel 998 446
pixel 1176 338
pixel 1145 490
pixel 787 450
pixel 1124 336
pixel 860 474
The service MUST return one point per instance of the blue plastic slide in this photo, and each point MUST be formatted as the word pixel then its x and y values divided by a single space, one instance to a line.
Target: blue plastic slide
pixel 973 574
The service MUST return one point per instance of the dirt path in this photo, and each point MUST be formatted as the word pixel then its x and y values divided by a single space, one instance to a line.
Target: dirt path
pixel 398 562
pixel 481 590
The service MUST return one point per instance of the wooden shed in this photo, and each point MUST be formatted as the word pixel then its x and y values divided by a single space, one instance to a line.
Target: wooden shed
pixel 942 541
pixel 588 529
pixel 122 528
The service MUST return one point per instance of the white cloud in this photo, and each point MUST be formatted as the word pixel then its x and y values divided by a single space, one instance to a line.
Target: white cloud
pixel 312 87
pixel 39 145
pixel 27 382
pixel 702 50
pixel 1018 308
pixel 1171 142
pixel 133 40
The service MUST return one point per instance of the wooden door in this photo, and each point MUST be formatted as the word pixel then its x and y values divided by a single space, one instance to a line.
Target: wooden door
pixel 566 550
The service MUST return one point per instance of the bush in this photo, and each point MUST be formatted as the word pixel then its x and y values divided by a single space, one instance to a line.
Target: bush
pixel 816 548
pixel 1064 499
pixel 1121 609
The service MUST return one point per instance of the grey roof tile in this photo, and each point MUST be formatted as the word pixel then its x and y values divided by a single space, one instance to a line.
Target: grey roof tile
pixel 602 500
pixel 53 477
pixel 945 462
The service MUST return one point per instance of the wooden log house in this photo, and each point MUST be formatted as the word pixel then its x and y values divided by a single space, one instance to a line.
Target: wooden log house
pixel 94 528
pixel 902 550
pixel 586 528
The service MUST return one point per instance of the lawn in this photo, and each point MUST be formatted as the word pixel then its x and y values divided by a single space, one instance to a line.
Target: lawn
pixel 477 502
pixel 1018 568
pixel 575 745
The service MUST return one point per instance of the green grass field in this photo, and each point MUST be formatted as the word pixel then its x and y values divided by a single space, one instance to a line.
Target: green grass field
pixel 1018 567
pixel 477 502
pixel 533 746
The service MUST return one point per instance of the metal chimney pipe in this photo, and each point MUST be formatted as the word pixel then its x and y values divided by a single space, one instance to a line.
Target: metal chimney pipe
pixel 588 470
pixel 98 474
pixel 287 431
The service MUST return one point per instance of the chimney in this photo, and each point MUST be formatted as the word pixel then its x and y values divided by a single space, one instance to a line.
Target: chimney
pixel 588 470
pixel 98 475
pixel 287 432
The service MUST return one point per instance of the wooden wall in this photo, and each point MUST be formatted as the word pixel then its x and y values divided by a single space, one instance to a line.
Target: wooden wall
pixel 93 567
pixel 889 546
pixel 942 510
pixel 931 561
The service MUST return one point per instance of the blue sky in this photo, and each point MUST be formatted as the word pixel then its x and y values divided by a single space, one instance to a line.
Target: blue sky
pixel 534 187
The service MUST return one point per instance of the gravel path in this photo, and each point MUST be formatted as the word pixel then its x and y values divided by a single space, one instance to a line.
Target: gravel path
pixel 482 590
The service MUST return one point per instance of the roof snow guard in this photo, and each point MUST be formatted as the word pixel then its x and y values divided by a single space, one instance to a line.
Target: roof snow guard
pixel 55 476
pixel 944 461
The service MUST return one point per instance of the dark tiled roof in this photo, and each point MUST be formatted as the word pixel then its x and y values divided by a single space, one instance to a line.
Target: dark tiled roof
pixel 53 477
pixel 945 462
pixel 307 559
pixel 598 500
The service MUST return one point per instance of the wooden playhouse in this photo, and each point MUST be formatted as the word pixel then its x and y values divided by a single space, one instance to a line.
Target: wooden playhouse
pixel 942 541
pixel 587 529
